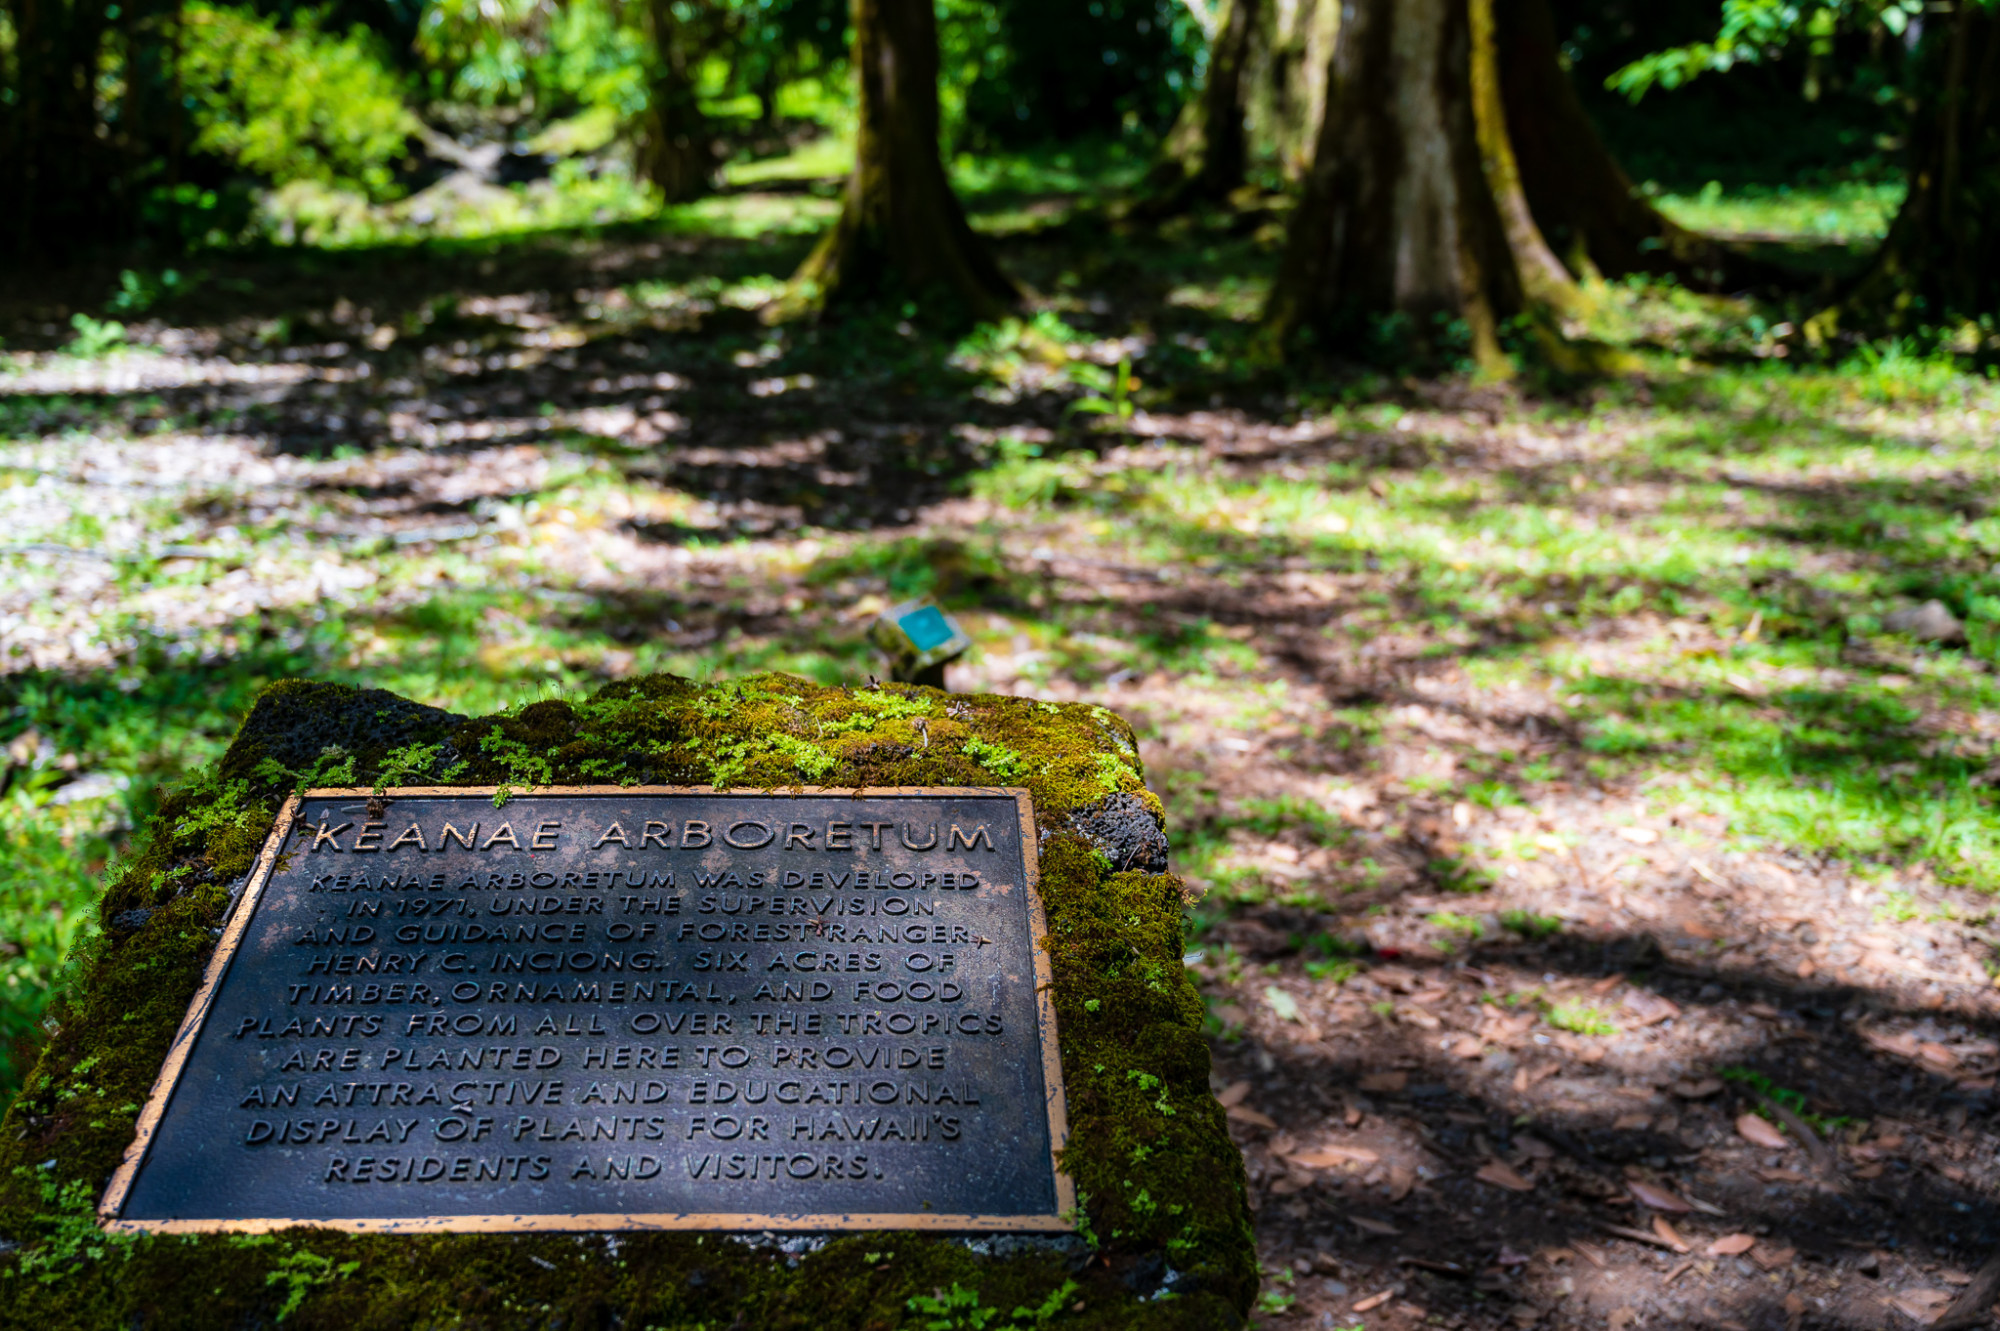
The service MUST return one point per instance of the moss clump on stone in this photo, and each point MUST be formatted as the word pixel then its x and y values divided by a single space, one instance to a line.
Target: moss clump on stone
pixel 1162 1184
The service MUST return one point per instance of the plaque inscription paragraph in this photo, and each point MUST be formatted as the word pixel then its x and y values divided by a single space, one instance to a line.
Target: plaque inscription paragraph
pixel 619 1008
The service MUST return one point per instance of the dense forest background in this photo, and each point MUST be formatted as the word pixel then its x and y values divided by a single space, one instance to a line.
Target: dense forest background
pixel 1525 468
pixel 186 128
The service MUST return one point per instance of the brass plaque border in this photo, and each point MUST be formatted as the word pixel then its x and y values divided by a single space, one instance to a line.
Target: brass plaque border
pixel 260 876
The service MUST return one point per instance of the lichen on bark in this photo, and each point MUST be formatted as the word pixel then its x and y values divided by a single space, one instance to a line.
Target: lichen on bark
pixel 1163 1189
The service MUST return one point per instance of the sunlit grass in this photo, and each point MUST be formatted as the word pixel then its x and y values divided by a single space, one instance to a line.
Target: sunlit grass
pixel 1580 1018
pixel 745 216
pixel 315 216
pixel 1088 169
pixel 1834 213
pixel 49 866
pixel 1776 731
pixel 830 157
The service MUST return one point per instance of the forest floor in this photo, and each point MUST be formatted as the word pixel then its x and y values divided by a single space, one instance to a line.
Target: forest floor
pixel 1593 823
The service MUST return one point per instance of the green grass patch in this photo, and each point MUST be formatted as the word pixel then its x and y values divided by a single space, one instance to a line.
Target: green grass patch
pixel 1579 1018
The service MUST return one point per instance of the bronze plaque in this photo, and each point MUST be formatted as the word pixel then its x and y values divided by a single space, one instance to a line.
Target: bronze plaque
pixel 607 1008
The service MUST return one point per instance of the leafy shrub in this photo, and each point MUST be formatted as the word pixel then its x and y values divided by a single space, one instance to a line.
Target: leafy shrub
pixel 293 102
pixel 47 891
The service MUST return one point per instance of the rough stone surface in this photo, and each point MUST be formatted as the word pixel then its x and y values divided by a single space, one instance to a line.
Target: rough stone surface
pixel 1131 835
pixel 1165 1227
pixel 294 724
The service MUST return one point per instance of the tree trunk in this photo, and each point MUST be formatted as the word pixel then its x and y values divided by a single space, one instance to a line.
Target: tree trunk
pixel 1207 152
pixel 62 180
pixel 1285 81
pixel 1544 282
pixel 769 80
pixel 1411 225
pixel 676 150
pixel 1580 197
pixel 901 230
pixel 1263 101
pixel 1941 259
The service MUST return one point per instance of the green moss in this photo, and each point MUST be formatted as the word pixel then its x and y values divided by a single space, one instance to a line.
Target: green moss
pixel 1162 1184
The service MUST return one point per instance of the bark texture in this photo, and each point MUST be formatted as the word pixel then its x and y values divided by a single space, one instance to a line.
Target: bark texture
pixel 1411 219
pixel 901 229
pixel 1941 259
pixel 1207 154
pixel 61 179
pixel 1261 104
pixel 1580 197
pixel 1544 281
pixel 1284 81
pixel 676 148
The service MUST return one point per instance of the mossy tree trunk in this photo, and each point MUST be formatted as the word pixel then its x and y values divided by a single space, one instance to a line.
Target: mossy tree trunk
pixel 1412 223
pixel 676 147
pixel 1580 197
pixel 901 231
pixel 1208 152
pixel 1284 84
pixel 1262 102
pixel 1941 259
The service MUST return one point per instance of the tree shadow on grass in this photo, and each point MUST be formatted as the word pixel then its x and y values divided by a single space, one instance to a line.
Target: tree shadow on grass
pixel 642 350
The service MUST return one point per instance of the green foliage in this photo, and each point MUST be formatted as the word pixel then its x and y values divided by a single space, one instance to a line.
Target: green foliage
pixel 1580 1018
pixel 299 1273
pixel 292 102
pixel 334 766
pixel 1021 71
pixel 811 759
pixel 1756 31
pixel 48 885
pixel 1119 405
pixel 1332 970
pixel 872 708
pixel 1840 213
pixel 213 804
pixel 1003 762
pixel 959 1310
pixel 1465 925
pixel 1148 1083
pixel 413 761
pixel 1048 1309
pixel 1276 1302
pixel 94 337
pixel 953 571
pixel 520 764
pixel 1898 908
pixel 138 292
pixel 489 54
pixel 1115 772
pixel 1530 925
pixel 65 1228
pixel 1760 1085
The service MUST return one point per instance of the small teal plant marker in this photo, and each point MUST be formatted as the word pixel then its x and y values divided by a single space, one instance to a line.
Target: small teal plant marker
pixel 920 639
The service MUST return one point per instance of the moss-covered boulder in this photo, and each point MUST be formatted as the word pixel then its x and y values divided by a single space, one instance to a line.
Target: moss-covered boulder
pixel 1166 1239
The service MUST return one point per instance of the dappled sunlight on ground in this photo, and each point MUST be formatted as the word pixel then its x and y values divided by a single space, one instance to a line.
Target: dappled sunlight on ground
pixel 1565 778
